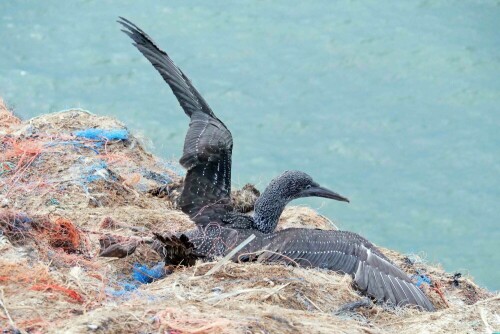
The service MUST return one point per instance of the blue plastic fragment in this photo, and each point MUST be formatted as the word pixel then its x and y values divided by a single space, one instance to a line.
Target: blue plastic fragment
pixel 22 222
pixel 127 289
pixel 129 286
pixel 99 134
pixel 141 274
pixel 422 279
pixel 93 172
pixel 145 275
pixel 116 293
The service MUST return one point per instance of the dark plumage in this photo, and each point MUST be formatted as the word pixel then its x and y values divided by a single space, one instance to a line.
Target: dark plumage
pixel 207 156
pixel 206 199
pixel 340 251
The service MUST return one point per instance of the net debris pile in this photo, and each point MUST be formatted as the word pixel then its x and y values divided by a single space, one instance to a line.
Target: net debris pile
pixel 73 183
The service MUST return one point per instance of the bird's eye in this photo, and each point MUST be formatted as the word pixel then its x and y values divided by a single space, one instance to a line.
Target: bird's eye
pixel 308 186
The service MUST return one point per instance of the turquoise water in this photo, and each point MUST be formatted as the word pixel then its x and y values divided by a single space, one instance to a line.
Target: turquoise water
pixel 394 104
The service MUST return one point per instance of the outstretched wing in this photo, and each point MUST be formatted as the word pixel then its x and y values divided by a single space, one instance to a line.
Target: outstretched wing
pixel 341 251
pixel 349 253
pixel 208 144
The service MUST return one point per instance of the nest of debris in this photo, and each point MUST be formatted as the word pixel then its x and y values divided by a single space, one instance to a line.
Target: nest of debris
pixel 72 182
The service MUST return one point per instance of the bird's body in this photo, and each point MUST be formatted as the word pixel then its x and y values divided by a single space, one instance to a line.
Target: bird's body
pixel 206 199
pixel 340 251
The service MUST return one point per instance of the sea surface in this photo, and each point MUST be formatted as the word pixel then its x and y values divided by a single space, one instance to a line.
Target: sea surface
pixel 394 104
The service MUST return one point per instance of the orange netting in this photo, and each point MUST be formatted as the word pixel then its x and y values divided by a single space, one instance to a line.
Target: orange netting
pixel 64 234
pixel 72 294
pixel 62 195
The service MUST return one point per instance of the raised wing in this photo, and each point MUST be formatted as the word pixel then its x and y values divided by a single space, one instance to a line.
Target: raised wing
pixel 349 253
pixel 208 144
pixel 207 157
pixel 188 97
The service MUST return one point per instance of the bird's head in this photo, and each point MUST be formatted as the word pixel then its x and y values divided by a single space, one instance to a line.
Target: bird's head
pixel 297 184
pixel 285 188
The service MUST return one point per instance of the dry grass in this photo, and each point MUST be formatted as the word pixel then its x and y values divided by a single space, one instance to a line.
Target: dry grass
pixel 74 191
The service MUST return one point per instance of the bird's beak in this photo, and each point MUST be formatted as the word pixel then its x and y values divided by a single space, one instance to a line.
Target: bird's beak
pixel 322 192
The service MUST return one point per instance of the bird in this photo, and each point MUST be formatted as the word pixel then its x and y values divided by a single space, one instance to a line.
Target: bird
pixel 206 199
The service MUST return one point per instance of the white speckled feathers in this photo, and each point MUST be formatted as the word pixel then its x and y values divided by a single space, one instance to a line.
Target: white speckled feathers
pixel 349 253
pixel 206 198
pixel 208 144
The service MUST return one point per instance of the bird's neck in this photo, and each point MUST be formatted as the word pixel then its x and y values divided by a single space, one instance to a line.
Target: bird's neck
pixel 268 209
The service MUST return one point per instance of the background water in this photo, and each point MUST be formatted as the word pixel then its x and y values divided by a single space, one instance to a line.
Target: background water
pixel 394 104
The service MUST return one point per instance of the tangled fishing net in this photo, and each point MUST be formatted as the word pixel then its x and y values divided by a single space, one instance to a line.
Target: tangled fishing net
pixel 73 183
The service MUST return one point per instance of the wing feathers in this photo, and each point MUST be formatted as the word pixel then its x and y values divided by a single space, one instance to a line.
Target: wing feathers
pixel 208 144
pixel 349 253
pixel 165 66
